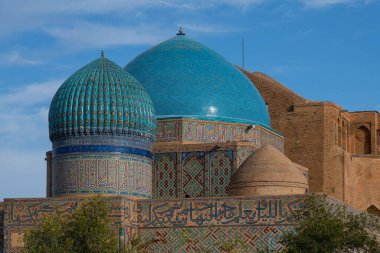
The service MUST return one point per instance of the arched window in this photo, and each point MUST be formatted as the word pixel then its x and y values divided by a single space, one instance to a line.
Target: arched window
pixel 378 141
pixel 362 141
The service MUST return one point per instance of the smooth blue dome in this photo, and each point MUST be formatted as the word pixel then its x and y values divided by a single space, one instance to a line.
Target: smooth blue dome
pixel 101 99
pixel 186 79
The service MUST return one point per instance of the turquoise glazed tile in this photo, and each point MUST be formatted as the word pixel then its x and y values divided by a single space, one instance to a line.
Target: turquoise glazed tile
pixel 189 80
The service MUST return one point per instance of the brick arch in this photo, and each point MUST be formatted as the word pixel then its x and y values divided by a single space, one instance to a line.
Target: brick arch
pixel 362 140
pixel 373 210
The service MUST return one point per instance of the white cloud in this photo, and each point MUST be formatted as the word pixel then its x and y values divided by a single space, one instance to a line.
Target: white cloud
pixel 15 58
pixel 210 28
pixel 93 35
pixel 38 14
pixel 24 138
pixel 24 114
pixel 327 3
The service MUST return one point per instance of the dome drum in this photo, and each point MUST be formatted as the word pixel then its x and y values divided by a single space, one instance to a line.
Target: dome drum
pixel 102 126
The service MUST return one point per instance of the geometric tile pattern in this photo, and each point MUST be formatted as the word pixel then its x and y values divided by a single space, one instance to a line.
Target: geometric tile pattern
pixel 207 212
pixel 211 239
pixel 102 149
pixel 165 175
pixel 193 174
pixel 243 153
pixel 102 174
pixel 258 222
pixel 198 174
pixel 199 131
pixel 221 165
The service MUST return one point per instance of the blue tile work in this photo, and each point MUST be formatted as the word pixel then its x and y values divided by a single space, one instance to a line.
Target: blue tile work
pixel 221 170
pixel 257 221
pixel 22 214
pixel 165 176
pixel 101 149
pixel 187 79
pixel 101 99
pixel 212 239
pixel 192 174
pixel 94 173
pixel 135 142
pixel 102 125
pixel 201 131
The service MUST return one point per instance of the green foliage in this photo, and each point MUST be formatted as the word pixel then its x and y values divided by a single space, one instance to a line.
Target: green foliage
pixel 49 237
pixel 87 229
pixel 324 227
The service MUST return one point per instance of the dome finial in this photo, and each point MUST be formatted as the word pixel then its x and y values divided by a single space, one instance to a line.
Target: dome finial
pixel 181 32
pixel 102 54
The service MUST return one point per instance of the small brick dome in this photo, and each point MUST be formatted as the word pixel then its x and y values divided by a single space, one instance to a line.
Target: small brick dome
pixel 268 172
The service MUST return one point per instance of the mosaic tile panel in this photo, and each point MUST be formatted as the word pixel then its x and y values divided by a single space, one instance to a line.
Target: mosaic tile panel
pixel 216 211
pixel 221 167
pixel 21 214
pixel 118 141
pixel 243 153
pixel 202 174
pixel 212 239
pixel 169 131
pixel 165 175
pixel 193 174
pixel 101 149
pixel 210 220
pixel 211 132
pixel 101 99
pixel 102 174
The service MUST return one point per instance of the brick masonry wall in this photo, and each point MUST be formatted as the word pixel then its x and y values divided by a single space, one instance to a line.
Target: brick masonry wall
pixel 259 222
pixel 363 181
pixel 1 226
pixel 321 137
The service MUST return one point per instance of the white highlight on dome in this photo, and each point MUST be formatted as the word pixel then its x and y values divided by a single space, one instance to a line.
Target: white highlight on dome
pixel 212 111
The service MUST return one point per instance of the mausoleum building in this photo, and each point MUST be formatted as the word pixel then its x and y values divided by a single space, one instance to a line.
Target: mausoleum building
pixel 178 139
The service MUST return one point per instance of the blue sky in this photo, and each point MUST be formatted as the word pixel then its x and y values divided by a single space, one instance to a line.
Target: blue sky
pixel 325 50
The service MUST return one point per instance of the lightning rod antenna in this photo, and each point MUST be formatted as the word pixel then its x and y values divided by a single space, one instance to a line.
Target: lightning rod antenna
pixel 242 52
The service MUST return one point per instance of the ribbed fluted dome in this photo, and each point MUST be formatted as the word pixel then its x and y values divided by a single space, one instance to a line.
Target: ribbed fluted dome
pixel 101 99
pixel 187 79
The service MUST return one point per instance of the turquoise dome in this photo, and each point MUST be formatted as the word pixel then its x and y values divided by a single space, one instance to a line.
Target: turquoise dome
pixel 101 99
pixel 188 80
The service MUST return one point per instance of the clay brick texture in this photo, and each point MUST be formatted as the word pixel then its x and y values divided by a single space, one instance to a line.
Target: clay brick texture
pixel 340 148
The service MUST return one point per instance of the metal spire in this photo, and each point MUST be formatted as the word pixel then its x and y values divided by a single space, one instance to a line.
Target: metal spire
pixel 102 54
pixel 181 32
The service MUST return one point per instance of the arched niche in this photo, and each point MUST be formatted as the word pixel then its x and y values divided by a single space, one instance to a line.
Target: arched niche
pixel 362 140
pixel 373 210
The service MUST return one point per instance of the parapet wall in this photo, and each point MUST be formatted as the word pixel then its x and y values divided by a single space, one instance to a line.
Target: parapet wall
pixel 1 226
pixel 257 222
